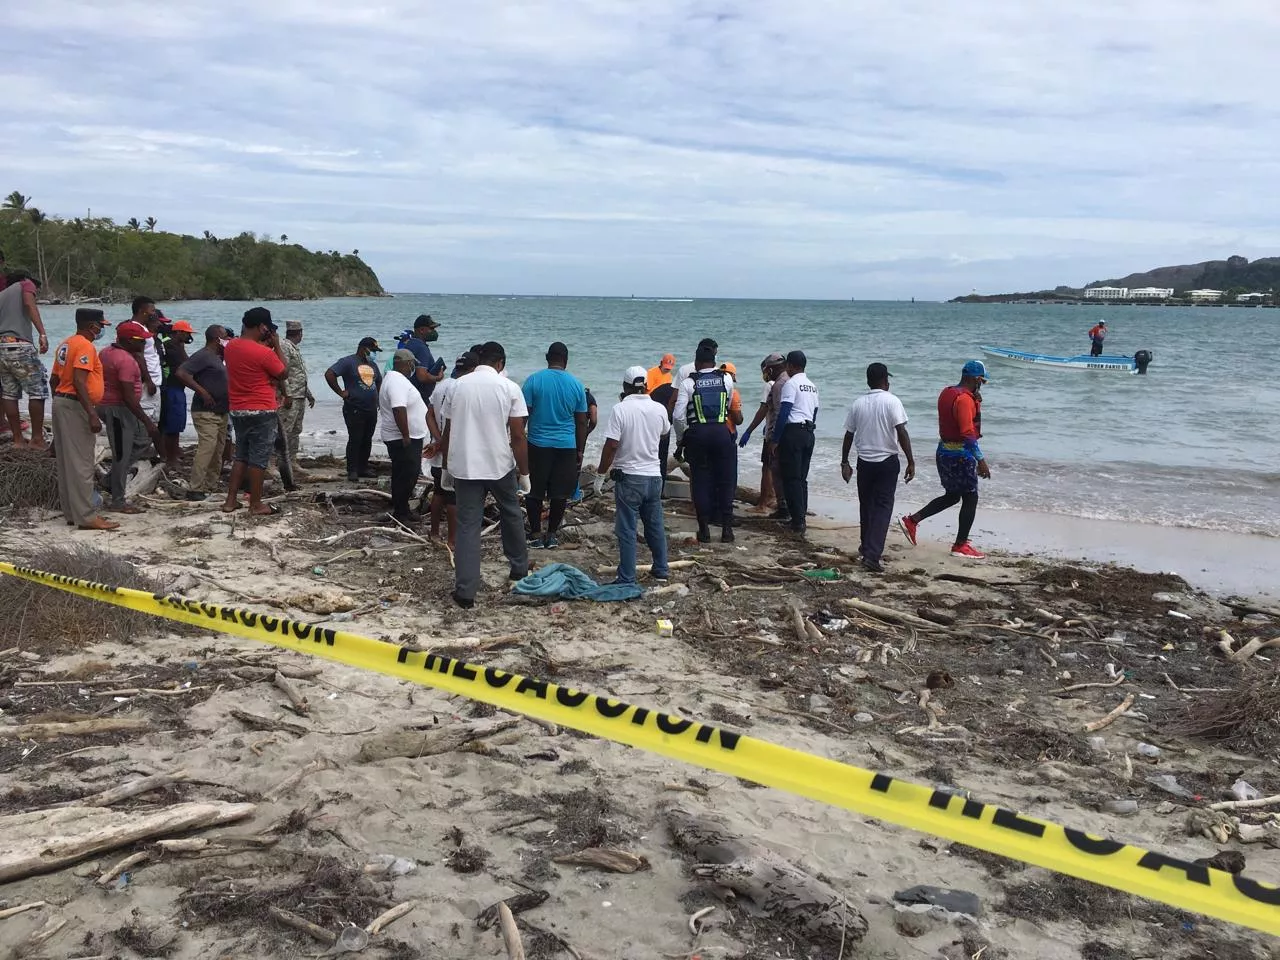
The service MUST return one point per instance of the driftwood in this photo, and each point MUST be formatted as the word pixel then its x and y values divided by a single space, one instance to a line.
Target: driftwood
pixel 268 673
pixel 76 728
pixel 806 632
pixel 510 933
pixel 1111 717
pixel 123 792
pixel 295 778
pixel 775 886
pixel 888 613
pixel 256 722
pixel 45 840
pixel 427 743
pixel 144 480
pixel 121 866
pixel 388 917
pixel 296 699
pixel 295 922
pixel 1245 804
pixel 516 904
pixel 615 861
pixel 14 911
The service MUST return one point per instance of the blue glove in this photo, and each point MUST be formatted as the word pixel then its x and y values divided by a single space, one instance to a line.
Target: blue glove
pixel 746 438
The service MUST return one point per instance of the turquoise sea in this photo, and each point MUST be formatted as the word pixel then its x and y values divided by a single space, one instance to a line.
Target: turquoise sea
pixel 1190 444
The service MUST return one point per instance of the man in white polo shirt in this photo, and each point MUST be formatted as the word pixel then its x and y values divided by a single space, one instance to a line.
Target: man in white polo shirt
pixel 636 428
pixel 402 424
pixel 877 426
pixel 485 451
pixel 793 433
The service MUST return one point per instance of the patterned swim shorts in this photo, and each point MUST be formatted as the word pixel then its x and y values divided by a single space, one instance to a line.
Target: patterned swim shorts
pixel 22 374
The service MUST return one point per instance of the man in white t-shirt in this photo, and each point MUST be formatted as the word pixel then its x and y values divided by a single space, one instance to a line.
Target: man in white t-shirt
pixel 636 428
pixel 771 496
pixel 402 425
pixel 443 502
pixel 793 433
pixel 877 426
pixel 485 451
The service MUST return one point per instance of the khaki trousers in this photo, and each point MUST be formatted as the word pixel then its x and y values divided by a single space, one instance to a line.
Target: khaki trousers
pixel 291 418
pixel 211 437
pixel 73 441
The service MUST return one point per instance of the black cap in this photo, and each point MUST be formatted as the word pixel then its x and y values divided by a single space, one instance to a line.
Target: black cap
pixel 88 315
pixel 424 320
pixel 796 358
pixel 258 317
pixel 467 361
pixel 370 344
pixel 877 372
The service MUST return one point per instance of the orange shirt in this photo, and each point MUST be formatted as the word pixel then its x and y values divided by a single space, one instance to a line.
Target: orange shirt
pixel 657 377
pixel 735 406
pixel 78 353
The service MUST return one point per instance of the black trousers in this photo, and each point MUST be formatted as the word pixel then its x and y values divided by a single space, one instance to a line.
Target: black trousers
pixel 664 451
pixel 1096 349
pixel 795 450
pixel 877 486
pixel 713 471
pixel 406 464
pixel 361 425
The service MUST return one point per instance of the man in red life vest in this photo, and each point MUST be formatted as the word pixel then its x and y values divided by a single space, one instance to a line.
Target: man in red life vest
pixel 959 458
pixel 1096 336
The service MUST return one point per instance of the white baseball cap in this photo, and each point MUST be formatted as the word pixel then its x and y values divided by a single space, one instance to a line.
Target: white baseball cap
pixel 635 376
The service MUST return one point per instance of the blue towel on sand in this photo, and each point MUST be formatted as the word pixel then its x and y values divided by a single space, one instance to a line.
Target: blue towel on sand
pixel 570 583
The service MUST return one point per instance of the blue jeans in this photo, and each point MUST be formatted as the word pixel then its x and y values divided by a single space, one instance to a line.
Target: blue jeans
pixel 639 499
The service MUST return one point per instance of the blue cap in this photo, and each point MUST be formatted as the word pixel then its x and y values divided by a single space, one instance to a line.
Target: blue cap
pixel 975 368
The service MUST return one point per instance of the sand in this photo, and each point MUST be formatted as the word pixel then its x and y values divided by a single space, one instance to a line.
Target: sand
pixel 479 825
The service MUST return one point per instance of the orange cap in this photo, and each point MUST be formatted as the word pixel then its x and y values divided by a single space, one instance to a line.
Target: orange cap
pixel 183 326
pixel 668 361
pixel 729 368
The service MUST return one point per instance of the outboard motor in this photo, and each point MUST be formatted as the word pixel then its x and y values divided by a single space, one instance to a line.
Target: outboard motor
pixel 1142 359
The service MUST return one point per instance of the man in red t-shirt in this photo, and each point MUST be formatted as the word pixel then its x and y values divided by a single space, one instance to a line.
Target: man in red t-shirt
pixel 255 365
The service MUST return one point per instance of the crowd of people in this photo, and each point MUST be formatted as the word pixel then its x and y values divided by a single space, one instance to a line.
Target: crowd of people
pixel 481 435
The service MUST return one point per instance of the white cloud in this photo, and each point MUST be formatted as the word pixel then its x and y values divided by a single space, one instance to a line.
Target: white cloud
pixel 741 148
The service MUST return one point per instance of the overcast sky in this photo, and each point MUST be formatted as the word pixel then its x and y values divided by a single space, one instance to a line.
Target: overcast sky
pixel 756 148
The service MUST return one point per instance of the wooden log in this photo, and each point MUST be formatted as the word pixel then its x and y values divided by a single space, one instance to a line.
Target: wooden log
pixel 295 778
pixel 76 728
pixel 943 618
pixel 45 840
pixel 516 904
pixel 385 919
pixel 510 933
pixel 615 861
pixel 14 911
pixel 776 887
pixel 257 722
pixel 123 792
pixel 144 480
pixel 295 922
pixel 121 866
pixel 888 613
pixel 427 743
pixel 296 699
pixel 1111 717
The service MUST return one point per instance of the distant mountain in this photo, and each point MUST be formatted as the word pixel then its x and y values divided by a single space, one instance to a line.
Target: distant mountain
pixel 1234 272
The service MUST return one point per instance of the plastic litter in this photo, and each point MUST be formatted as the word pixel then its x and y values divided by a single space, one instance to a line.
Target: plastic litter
pixel 1243 790
pixel 1097 744
pixel 391 865
pixel 1148 751
pixel 956 901
pixel 350 940
pixel 1170 785
pixel 1120 808
pixel 863 718
pixel 827 573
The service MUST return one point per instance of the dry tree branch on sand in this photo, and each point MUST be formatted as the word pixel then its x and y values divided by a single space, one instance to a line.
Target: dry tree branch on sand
pixel 1246 718
pixel 40 618
pixel 28 478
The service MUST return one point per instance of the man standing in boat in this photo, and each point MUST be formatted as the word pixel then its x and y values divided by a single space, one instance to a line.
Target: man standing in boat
pixel 1096 336
pixel 960 459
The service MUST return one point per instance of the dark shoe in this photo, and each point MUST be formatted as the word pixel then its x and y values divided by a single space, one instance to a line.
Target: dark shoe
pixel 704 533
pixel 195 496
pixel 872 566
pixel 799 529
pixel 662 578
pixel 780 515
pixel 463 602
pixel 515 577
pixel 726 534
pixel 352 478
pixel 367 475
pixel 549 542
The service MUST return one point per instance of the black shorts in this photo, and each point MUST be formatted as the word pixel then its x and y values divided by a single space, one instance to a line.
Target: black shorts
pixel 553 472
pixel 437 478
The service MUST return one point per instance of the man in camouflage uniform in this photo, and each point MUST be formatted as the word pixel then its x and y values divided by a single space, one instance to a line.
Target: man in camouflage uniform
pixel 297 395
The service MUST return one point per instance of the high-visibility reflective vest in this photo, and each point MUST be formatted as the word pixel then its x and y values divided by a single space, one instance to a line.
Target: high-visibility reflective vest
pixel 710 400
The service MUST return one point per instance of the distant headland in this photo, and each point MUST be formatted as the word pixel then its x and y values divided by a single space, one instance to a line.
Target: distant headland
pixel 1233 282
pixel 94 259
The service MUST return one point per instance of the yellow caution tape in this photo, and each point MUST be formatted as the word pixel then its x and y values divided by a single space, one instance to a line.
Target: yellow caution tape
pixel 1169 880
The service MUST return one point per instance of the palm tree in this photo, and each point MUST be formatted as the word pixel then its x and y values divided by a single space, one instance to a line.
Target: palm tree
pixel 16 201
pixel 37 218
pixel 133 224
pixel 355 253
pixel 151 224
pixel 284 238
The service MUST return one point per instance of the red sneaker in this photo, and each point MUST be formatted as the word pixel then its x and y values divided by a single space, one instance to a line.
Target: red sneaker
pixel 908 528
pixel 967 551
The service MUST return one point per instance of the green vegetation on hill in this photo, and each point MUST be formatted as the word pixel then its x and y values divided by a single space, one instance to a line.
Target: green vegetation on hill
pixel 95 257
pixel 1233 274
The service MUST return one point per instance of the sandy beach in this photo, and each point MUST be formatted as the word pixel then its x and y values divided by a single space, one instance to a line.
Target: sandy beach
pixel 378 793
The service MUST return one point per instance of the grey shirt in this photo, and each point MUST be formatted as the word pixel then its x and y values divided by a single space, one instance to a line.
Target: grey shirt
pixel 207 369
pixel 14 321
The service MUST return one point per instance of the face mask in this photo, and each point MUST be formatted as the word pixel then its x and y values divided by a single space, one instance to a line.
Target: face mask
pixel 431 336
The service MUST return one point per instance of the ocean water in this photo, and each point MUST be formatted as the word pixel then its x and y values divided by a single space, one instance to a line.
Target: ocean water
pixel 1193 443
